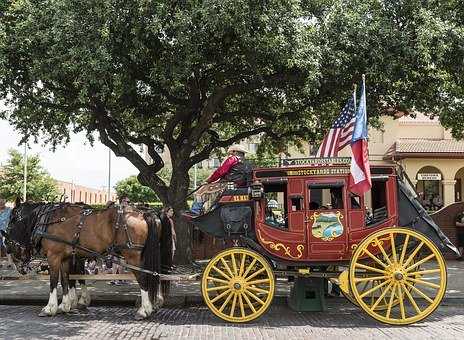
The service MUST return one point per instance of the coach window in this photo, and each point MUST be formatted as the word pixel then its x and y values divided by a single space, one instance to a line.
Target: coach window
pixel 326 196
pixel 276 210
pixel 355 201
pixel 376 201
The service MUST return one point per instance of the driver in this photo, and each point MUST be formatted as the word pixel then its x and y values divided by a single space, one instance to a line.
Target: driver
pixel 229 171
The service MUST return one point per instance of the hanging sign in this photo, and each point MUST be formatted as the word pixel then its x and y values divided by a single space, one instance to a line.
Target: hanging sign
pixel 429 177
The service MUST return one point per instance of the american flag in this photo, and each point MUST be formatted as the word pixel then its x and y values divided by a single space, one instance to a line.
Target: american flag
pixel 340 133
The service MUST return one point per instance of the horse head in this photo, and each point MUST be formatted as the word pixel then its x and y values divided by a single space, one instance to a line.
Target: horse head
pixel 18 235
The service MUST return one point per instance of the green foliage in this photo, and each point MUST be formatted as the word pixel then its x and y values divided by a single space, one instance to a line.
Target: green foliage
pixel 40 185
pixel 196 76
pixel 134 191
pixel 202 175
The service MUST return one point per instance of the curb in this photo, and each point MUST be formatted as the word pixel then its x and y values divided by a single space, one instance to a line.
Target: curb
pixel 174 301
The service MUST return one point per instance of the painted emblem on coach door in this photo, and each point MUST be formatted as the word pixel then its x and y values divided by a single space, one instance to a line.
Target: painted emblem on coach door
pixel 327 226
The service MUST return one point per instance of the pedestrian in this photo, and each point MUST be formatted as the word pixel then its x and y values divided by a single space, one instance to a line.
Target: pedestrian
pixel 5 213
pixel 168 211
pixel 460 234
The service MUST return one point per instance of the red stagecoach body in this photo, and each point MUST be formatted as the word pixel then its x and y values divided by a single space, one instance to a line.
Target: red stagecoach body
pixel 382 249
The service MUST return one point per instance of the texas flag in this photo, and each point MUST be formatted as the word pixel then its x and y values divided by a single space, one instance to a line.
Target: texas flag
pixel 360 173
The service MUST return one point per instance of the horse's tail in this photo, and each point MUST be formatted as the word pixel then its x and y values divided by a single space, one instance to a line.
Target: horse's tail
pixel 151 257
pixel 166 251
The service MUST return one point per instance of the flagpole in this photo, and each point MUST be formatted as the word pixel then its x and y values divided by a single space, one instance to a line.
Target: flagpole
pixel 354 95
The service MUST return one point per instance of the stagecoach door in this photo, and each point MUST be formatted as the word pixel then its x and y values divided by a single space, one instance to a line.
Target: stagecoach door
pixel 326 219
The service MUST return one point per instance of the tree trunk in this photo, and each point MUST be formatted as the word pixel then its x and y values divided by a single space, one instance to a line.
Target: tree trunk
pixel 177 192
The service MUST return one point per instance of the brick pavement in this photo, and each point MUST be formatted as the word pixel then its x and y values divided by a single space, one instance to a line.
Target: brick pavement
pixel 342 320
pixel 36 292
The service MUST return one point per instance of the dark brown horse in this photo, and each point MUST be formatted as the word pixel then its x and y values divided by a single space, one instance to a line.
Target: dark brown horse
pixel 65 233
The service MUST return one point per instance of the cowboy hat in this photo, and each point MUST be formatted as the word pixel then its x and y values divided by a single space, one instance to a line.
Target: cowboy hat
pixel 237 147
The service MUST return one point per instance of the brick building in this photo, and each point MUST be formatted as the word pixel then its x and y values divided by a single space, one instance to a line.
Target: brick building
pixel 78 193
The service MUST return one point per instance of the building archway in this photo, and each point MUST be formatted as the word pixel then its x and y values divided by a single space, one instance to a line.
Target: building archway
pixel 430 187
pixel 459 185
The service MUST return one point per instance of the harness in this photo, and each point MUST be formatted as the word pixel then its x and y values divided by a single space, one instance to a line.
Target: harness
pixel 44 220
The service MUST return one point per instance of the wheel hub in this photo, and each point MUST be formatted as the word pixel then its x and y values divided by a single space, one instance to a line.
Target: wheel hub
pixel 398 276
pixel 237 286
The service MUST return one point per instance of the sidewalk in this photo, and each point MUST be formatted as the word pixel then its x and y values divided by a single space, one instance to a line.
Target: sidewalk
pixel 15 292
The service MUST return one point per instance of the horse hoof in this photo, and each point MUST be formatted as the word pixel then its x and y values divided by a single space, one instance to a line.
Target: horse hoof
pixel 45 313
pixel 139 317
pixel 80 306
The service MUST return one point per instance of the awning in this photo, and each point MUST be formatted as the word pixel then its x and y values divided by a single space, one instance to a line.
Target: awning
pixel 425 148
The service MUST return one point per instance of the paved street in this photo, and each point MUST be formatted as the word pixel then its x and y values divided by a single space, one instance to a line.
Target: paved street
pixel 186 317
pixel 196 322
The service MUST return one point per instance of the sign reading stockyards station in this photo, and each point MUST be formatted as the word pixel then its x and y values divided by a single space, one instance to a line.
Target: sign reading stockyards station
pixel 315 161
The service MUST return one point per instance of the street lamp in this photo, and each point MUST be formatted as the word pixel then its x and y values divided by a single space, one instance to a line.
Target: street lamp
pixel 109 175
pixel 25 173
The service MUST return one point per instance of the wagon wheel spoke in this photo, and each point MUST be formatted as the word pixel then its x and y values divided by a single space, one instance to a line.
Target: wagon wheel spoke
pixel 242 265
pixel 374 289
pixel 254 297
pixel 249 303
pixel 392 247
pixel 384 253
pixel 368 279
pixel 242 308
pixel 372 269
pixel 413 254
pixel 215 279
pixel 375 258
pixel 226 301
pixel 418 291
pixel 390 303
pixel 410 298
pixel 405 247
pixel 256 273
pixel 232 309
pixel 424 272
pixel 425 283
pixel 227 267
pixel 259 281
pixel 221 272
pixel 234 264
pixel 258 290
pixel 220 296
pixel 381 297
pixel 249 268
pixel 418 263
pixel 217 288
pixel 400 298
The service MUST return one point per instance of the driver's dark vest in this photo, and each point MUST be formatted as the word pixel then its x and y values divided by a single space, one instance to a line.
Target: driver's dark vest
pixel 240 173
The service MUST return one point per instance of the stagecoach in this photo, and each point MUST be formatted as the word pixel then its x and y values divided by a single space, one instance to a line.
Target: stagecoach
pixel 382 249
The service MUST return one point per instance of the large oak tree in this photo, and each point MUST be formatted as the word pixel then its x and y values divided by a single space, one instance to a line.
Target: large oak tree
pixel 193 76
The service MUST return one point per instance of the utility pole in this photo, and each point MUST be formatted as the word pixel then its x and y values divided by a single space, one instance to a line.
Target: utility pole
pixel 25 173
pixel 109 174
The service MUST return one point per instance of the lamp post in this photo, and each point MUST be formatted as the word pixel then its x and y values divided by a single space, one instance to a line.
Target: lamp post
pixel 109 175
pixel 25 173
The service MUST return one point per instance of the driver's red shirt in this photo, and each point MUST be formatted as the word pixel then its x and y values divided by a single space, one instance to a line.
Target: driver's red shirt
pixel 223 169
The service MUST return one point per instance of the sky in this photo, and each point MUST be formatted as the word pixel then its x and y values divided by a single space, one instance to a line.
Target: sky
pixel 76 162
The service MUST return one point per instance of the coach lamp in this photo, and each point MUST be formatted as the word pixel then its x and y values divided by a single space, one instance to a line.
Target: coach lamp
pixel 257 190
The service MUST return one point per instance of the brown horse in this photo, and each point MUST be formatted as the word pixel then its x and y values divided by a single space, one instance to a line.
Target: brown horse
pixel 65 232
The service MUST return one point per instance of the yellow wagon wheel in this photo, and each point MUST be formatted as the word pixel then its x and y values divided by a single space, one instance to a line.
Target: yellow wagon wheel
pixel 409 269
pixel 367 285
pixel 238 285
